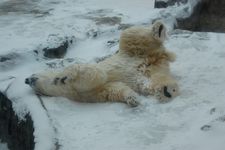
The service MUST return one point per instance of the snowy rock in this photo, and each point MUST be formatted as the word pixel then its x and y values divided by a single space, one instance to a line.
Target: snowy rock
pixel 208 15
pixel 17 133
pixel 59 51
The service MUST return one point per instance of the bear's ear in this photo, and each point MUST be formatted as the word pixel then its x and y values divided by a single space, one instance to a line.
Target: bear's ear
pixel 159 31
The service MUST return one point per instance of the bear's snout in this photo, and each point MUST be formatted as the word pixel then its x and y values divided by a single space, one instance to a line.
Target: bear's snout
pixel 27 81
pixel 166 93
pixel 31 81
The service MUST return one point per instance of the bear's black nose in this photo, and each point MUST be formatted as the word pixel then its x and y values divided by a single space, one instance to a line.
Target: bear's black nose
pixel 31 80
pixel 166 93
pixel 27 81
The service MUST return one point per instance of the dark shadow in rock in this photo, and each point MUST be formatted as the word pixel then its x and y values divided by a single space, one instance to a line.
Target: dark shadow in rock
pixel 164 4
pixel 54 47
pixel 207 16
pixel 160 4
pixel 57 52
pixel 18 134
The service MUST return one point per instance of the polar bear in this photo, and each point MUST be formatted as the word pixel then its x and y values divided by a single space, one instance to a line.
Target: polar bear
pixel 141 66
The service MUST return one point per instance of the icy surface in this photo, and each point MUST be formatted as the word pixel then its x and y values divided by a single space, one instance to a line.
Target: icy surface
pixel 194 120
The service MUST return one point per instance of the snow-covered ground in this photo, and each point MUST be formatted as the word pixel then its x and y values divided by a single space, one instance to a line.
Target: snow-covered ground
pixel 3 146
pixel 194 120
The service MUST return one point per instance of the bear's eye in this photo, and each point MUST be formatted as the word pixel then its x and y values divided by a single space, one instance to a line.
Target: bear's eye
pixel 160 30
pixel 174 90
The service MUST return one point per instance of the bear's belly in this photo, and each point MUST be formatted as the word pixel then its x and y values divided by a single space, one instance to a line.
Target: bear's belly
pixel 130 76
pixel 138 83
pixel 122 68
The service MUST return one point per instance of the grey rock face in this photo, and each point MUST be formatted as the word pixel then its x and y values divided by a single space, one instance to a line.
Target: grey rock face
pixel 166 3
pixel 160 4
pixel 208 15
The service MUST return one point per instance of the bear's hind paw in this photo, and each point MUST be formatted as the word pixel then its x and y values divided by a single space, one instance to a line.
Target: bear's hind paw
pixel 131 101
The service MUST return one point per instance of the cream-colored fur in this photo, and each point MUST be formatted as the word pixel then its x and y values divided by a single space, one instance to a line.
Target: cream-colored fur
pixel 119 78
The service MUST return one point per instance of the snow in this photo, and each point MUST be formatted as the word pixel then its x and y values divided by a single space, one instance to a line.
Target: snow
pixel 3 146
pixel 176 125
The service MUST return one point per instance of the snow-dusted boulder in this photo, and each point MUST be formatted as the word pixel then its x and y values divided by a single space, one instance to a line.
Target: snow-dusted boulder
pixel 208 16
pixel 17 133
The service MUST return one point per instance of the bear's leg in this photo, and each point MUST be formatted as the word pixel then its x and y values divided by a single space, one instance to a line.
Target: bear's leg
pixel 68 82
pixel 118 92
pixel 51 84
pixel 164 86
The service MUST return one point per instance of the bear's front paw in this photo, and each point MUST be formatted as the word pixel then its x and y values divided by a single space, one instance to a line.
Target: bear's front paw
pixel 131 101
pixel 166 92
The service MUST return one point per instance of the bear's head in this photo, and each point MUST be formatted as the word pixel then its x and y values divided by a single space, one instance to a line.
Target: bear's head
pixel 142 41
